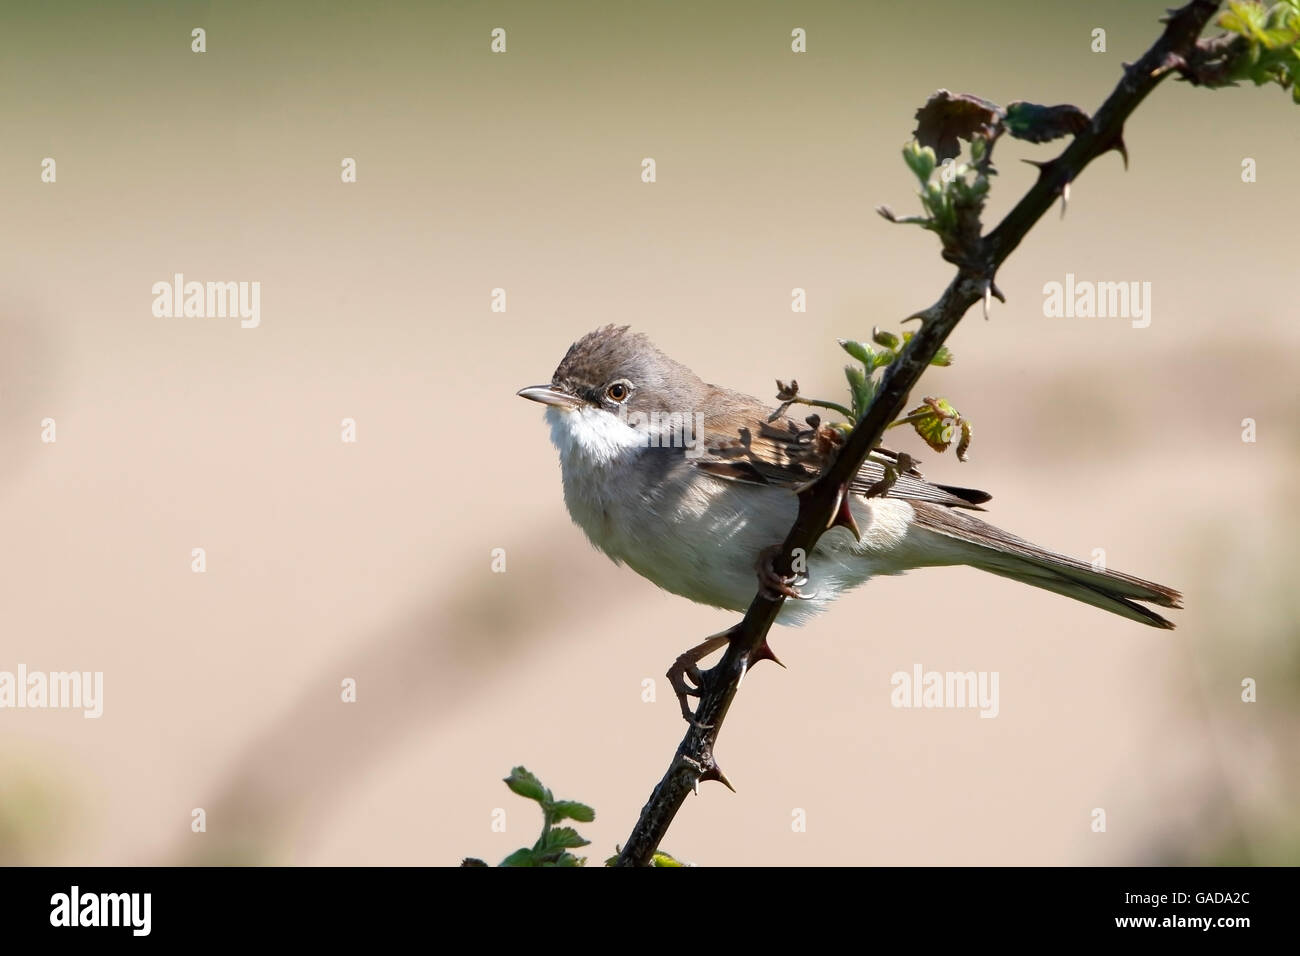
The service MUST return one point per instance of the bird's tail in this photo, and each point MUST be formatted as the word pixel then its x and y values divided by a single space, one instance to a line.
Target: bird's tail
pixel 992 549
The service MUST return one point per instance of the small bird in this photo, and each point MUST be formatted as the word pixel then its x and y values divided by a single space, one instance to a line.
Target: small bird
pixel 691 484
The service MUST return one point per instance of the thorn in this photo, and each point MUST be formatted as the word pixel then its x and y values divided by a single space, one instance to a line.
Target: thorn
pixel 1044 167
pixel 843 517
pixel 997 293
pixel 1117 143
pixel 763 653
pixel 696 786
pixel 1065 198
pixel 988 295
pixel 744 669
pixel 715 773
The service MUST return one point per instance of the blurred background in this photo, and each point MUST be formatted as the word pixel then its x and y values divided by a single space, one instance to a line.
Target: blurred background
pixel 373 560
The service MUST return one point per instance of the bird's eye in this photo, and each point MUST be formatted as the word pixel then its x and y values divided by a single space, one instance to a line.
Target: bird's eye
pixel 618 392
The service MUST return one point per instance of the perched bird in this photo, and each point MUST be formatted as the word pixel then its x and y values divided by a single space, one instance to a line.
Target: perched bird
pixel 690 484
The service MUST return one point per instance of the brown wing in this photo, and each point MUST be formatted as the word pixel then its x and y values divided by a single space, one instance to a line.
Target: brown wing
pixel 785 453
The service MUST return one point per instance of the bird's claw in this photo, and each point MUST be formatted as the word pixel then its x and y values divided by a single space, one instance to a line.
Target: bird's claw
pixel 774 585
pixel 687 681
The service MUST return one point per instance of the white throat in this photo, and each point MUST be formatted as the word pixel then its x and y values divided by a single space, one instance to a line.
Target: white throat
pixel 591 437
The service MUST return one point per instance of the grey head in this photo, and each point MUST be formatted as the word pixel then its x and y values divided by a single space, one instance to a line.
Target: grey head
pixel 621 372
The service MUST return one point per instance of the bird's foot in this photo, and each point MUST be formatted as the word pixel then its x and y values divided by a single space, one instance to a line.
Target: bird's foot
pixel 774 585
pixel 687 679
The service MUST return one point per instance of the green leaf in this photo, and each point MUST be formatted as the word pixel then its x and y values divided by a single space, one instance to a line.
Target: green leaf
pixel 560 838
pixel 1272 50
pixel 920 160
pixel 861 389
pixel 526 785
pixel 936 422
pixel 550 848
pixel 572 810
pixel 522 857
pixel 1246 17
pixel 663 859
pixel 859 351
pixel 887 339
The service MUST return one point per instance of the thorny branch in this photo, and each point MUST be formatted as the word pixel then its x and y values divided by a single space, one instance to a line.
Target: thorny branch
pixel 820 504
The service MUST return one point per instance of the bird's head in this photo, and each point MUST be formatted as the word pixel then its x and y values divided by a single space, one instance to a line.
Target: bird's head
pixel 614 392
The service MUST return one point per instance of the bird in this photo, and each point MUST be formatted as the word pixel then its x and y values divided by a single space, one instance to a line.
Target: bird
pixel 692 485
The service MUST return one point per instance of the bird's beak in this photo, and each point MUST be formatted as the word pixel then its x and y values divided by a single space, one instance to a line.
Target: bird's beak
pixel 549 395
